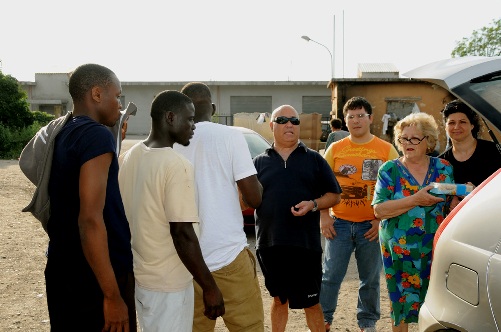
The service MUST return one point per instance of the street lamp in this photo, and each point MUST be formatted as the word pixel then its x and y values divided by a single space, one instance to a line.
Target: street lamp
pixel 332 58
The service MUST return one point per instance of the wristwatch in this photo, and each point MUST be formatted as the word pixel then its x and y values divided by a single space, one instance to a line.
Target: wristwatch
pixel 315 206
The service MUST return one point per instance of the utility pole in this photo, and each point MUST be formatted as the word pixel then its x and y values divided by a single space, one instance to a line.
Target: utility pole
pixel 343 43
pixel 334 46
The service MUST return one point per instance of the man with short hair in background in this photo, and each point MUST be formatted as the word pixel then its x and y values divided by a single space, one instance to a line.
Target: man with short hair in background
pixel 337 133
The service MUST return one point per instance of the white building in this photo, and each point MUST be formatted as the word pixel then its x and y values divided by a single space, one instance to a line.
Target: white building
pixel 49 93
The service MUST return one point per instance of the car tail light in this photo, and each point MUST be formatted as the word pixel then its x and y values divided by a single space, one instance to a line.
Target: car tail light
pixel 451 215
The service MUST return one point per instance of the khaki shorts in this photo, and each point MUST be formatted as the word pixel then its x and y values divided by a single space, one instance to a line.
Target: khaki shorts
pixel 242 297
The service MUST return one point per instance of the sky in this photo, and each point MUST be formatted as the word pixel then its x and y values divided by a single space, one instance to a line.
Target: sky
pixel 223 40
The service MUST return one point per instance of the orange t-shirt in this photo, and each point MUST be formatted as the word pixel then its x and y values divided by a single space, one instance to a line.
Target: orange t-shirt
pixel 355 167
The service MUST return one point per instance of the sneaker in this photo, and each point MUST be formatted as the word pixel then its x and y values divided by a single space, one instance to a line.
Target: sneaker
pixel 368 329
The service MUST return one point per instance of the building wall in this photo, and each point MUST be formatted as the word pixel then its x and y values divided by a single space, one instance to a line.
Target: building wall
pixel 53 89
pixel 49 93
pixel 142 96
pixel 428 98
pixel 50 85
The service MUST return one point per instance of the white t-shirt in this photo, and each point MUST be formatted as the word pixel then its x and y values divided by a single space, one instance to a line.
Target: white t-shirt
pixel 221 157
pixel 157 187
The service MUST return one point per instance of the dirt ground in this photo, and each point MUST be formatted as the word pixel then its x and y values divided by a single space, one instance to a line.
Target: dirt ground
pixel 23 243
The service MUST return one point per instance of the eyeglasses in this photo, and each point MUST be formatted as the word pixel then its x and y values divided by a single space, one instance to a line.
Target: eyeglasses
pixel 412 141
pixel 283 120
pixel 358 116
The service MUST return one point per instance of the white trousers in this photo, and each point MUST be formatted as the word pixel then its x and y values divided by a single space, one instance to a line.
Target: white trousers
pixel 163 311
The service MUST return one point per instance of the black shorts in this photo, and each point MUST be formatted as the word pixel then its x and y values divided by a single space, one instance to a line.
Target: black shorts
pixel 75 300
pixel 293 274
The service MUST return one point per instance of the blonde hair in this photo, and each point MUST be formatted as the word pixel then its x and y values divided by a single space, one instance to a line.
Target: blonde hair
pixel 424 122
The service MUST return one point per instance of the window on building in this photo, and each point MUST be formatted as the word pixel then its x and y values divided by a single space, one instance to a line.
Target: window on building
pixel 397 109
pixel 401 108
pixel 317 104
pixel 246 104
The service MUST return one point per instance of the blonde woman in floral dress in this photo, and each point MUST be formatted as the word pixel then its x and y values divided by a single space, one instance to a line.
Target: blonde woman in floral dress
pixel 410 215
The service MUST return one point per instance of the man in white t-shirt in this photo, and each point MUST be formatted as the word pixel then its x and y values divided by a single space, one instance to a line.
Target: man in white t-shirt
pixel 223 166
pixel 158 192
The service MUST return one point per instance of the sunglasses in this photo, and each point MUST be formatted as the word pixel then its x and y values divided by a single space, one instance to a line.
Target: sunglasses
pixel 283 120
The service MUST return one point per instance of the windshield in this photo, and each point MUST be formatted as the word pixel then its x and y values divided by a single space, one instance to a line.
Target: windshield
pixel 256 144
pixel 489 88
pixel 484 95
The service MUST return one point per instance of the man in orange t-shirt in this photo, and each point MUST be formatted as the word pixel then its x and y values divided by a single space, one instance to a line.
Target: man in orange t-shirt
pixel 351 225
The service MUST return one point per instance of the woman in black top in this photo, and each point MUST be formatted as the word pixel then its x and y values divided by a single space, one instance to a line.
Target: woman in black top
pixel 473 159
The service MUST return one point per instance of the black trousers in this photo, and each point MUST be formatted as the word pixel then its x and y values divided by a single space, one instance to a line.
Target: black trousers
pixel 75 300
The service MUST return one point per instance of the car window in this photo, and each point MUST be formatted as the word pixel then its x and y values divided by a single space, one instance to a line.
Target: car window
pixel 483 95
pixel 489 88
pixel 256 143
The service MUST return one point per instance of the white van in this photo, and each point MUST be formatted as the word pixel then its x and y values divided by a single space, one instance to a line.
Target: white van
pixel 465 283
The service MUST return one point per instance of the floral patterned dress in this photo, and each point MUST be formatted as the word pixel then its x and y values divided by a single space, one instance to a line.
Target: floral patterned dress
pixel 406 240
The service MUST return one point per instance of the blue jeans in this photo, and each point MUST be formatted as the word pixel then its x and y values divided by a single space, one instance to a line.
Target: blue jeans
pixel 337 253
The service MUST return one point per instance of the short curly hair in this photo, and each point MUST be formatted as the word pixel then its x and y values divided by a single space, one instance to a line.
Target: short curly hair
pixel 197 91
pixel 424 122
pixel 355 103
pixel 87 76
pixel 336 123
pixel 167 101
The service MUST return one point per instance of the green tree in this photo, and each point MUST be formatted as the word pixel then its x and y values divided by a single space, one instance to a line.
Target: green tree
pixel 14 109
pixel 483 42
pixel 17 123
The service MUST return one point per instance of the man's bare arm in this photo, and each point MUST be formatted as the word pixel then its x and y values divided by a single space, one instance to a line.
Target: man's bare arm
pixel 251 190
pixel 188 249
pixel 92 189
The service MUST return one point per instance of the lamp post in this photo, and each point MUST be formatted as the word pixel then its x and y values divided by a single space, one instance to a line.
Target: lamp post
pixel 330 53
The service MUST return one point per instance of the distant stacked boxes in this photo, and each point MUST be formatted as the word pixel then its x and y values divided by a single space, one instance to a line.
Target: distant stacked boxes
pixel 311 130
pixel 311 127
pixel 249 120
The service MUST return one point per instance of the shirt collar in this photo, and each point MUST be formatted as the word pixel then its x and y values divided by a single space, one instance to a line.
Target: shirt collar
pixel 300 145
